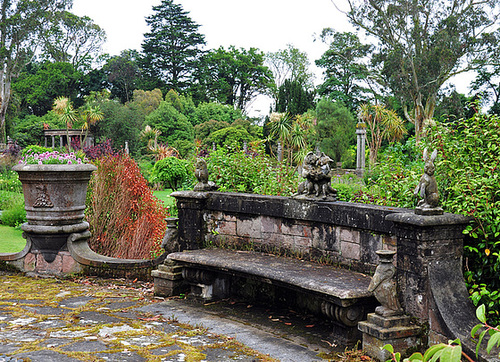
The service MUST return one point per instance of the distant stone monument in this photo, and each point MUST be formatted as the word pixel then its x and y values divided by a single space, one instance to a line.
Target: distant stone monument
pixel 360 148
pixel 427 190
pixel 318 176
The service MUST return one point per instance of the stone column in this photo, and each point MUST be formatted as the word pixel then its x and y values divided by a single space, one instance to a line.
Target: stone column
pixel 430 276
pixel 53 141
pixel 360 149
pixel 280 152
pixel 61 142
pixel 191 224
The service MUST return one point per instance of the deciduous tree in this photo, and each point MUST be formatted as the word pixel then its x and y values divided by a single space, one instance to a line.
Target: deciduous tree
pixel 74 39
pixel 233 76
pixel 423 43
pixel 289 64
pixel 23 24
pixel 123 74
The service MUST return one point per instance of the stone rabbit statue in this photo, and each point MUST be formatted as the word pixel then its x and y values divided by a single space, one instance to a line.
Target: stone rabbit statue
pixel 427 190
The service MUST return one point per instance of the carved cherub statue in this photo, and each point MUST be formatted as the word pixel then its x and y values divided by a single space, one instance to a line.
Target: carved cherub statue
pixel 317 173
pixel 427 190
pixel 201 173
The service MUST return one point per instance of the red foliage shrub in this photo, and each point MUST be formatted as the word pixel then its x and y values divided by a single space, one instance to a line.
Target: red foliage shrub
pixel 126 220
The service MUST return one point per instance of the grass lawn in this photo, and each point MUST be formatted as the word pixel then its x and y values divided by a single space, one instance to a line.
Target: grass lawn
pixel 11 240
pixel 168 201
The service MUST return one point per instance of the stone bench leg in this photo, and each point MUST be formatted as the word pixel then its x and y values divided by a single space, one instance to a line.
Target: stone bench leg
pixel 206 285
pixel 168 279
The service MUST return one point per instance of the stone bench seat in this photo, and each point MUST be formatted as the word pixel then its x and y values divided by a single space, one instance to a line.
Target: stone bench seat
pixel 340 294
pixel 343 285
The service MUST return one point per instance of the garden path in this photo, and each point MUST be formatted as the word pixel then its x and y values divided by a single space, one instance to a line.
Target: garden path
pixel 91 319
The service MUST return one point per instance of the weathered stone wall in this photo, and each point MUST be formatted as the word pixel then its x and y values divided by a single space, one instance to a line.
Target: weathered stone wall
pixel 338 232
pixel 351 247
pixel 428 248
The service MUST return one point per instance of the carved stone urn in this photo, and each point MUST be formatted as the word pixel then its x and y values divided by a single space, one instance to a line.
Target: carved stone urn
pixel 54 197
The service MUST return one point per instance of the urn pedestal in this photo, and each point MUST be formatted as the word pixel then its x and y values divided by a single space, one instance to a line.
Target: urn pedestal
pixel 54 197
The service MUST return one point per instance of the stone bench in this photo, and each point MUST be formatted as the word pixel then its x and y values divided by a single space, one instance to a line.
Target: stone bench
pixel 340 294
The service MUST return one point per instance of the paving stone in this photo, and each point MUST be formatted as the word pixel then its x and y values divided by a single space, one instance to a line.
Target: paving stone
pixel 86 346
pixel 224 354
pixel 43 310
pixel 96 318
pixel 128 315
pixel 122 356
pixel 50 323
pixel 75 302
pixel 53 342
pixel 22 335
pixel 121 305
pixel 46 356
pixel 9 348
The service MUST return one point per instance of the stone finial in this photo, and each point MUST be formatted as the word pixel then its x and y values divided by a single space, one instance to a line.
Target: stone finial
pixel 317 172
pixel 427 190
pixel 383 285
pixel 201 173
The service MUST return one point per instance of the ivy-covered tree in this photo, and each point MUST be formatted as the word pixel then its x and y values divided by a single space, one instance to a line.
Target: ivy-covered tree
pixel 233 76
pixel 423 43
pixel 345 71
pixel 23 24
pixel 171 48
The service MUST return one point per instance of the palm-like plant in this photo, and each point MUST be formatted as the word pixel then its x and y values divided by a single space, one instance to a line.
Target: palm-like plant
pixel 382 123
pixel 293 133
pixel 64 110
pixel 91 114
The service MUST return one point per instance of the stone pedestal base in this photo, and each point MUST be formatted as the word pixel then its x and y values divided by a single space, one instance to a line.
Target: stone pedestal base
pixel 379 331
pixel 168 280
pixel 62 264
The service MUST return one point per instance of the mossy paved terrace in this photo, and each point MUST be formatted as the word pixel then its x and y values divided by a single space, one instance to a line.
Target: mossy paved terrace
pixel 47 319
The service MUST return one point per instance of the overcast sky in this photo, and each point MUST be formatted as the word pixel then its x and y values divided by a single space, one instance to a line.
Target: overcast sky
pixel 268 25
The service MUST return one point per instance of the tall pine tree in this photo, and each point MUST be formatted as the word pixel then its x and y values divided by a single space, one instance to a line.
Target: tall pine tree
pixel 171 48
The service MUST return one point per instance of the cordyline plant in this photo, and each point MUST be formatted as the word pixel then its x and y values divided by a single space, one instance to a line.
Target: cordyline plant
pixel 126 220
pixel 54 158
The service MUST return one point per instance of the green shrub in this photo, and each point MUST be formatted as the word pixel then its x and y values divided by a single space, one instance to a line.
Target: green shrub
pixel 14 215
pixel 9 197
pixel 468 177
pixel 9 181
pixel 171 172
pixel 35 149
pixel 251 172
